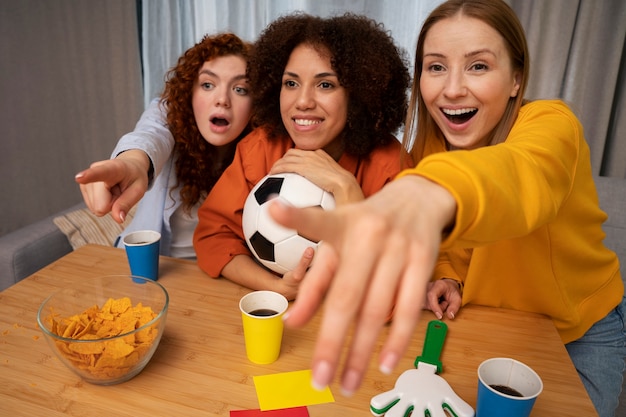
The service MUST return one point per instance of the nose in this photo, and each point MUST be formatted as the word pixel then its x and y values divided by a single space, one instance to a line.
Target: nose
pixel 223 98
pixel 455 85
pixel 305 99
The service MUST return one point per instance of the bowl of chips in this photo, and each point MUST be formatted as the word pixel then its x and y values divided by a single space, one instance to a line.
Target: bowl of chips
pixel 105 329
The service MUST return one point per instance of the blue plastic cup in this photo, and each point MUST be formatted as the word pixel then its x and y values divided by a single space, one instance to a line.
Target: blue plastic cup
pixel 496 378
pixel 142 250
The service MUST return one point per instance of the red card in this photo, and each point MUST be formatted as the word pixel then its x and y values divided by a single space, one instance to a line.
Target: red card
pixel 285 412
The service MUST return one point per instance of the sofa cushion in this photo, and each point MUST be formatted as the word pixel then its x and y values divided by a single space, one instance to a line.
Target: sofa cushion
pixel 82 227
pixel 612 196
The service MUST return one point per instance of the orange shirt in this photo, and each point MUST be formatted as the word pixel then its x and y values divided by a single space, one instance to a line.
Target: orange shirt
pixel 219 235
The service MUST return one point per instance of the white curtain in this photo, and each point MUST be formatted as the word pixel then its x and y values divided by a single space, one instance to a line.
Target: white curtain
pixel 172 26
pixel 577 49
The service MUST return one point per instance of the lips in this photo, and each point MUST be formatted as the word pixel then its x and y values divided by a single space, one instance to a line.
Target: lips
pixel 459 116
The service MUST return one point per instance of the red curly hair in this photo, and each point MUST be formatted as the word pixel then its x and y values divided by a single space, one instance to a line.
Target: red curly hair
pixel 198 165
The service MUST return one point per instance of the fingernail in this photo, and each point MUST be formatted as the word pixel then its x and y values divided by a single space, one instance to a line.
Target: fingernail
pixel 388 363
pixel 321 375
pixel 79 175
pixel 286 315
pixel 438 315
pixel 451 315
pixel 350 383
pixel 122 216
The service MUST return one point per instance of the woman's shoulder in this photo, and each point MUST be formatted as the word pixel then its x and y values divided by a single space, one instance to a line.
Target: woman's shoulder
pixel 258 151
pixel 259 137
pixel 535 107
pixel 549 114
pixel 390 156
pixel 255 142
pixel 254 138
pixel 391 147
pixel 547 119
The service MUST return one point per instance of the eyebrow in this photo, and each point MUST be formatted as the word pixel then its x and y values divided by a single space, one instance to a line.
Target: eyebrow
pixel 320 75
pixel 480 51
pixel 467 55
pixel 212 74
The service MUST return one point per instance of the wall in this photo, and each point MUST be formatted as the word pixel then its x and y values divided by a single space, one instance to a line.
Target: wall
pixel 70 86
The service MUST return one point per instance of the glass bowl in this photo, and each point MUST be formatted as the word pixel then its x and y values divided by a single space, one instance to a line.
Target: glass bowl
pixel 105 329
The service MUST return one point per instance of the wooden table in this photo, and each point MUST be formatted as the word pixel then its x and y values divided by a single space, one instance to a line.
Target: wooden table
pixel 200 367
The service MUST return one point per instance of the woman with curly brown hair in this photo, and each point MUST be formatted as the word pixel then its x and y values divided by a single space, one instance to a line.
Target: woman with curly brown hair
pixel 208 110
pixel 328 95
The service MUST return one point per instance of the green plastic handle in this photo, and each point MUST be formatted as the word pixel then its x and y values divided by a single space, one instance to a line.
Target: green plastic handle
pixel 433 344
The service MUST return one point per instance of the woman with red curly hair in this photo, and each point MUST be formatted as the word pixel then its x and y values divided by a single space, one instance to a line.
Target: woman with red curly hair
pixel 208 109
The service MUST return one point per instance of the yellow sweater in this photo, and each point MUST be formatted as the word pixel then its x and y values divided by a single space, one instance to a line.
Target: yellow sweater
pixel 528 230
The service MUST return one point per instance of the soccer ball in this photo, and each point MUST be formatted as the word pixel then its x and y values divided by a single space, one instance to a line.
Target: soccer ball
pixel 275 246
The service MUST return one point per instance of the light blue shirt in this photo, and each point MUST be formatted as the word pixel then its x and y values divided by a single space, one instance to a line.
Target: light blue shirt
pixel 159 203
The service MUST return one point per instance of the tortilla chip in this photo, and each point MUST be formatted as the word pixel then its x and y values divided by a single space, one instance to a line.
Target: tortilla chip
pixel 106 358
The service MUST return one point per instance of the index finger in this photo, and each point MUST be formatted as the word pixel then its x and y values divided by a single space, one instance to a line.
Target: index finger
pixel 312 222
pixel 315 224
pixel 102 171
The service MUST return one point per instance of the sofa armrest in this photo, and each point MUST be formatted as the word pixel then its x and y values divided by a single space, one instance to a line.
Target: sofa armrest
pixel 27 250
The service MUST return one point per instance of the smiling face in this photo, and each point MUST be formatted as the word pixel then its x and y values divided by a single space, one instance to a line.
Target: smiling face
pixel 313 105
pixel 467 79
pixel 221 104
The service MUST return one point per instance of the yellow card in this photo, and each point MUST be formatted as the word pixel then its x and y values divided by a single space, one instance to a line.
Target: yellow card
pixel 289 389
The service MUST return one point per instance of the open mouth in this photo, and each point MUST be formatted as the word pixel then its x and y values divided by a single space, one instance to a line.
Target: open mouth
pixel 459 116
pixel 218 121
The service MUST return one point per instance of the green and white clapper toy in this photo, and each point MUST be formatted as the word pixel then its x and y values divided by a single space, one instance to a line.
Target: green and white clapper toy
pixel 421 392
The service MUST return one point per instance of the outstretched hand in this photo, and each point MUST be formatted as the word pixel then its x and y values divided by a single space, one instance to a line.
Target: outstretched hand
pixel 378 251
pixel 115 185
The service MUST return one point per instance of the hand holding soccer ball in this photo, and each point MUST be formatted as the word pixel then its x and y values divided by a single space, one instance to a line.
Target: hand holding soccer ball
pixel 276 247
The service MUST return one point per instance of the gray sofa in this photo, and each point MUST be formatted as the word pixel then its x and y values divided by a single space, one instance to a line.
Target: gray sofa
pixel 612 194
pixel 32 247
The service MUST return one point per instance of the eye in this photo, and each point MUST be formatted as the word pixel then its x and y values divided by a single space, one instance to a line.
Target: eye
pixel 290 84
pixel 479 66
pixel 207 86
pixel 435 68
pixel 242 91
pixel 326 85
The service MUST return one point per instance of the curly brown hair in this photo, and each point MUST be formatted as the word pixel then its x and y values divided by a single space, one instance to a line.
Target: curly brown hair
pixel 198 165
pixel 369 65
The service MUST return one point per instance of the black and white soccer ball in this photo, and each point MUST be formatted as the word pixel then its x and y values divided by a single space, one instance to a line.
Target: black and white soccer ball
pixel 275 246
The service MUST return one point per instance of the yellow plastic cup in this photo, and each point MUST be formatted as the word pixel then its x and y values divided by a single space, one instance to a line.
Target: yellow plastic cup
pixel 261 314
